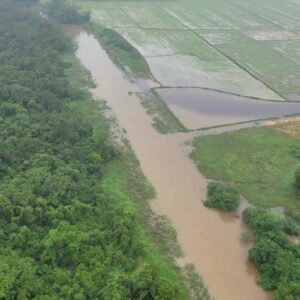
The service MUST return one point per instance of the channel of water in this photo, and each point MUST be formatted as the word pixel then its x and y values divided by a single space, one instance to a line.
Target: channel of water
pixel 210 240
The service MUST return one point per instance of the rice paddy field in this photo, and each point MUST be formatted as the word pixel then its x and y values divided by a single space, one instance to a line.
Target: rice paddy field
pixel 248 48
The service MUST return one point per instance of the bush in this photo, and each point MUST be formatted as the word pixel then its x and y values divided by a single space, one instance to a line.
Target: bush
pixel 247 236
pixel 222 196
pixel 291 227
pixel 273 254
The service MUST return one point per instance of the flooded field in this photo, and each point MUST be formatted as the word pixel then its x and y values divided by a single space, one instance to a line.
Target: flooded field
pixel 199 108
pixel 209 240
pixel 248 48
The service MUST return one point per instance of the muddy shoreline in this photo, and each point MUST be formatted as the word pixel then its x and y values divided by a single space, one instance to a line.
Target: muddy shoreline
pixel 209 240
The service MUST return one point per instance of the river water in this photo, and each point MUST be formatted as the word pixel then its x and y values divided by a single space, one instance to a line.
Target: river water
pixel 209 240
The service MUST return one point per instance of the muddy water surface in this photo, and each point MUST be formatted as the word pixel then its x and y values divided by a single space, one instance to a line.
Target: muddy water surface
pixel 209 241
pixel 199 108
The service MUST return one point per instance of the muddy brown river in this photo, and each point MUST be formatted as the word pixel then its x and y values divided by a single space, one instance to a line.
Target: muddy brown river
pixel 209 240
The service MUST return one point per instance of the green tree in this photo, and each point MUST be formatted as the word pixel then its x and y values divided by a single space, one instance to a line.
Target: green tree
pixel 222 196
pixel 63 245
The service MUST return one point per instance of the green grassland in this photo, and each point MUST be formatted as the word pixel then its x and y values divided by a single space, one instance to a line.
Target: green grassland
pixel 150 15
pixel 112 18
pixel 260 162
pixel 283 14
pixel 229 15
pixel 277 71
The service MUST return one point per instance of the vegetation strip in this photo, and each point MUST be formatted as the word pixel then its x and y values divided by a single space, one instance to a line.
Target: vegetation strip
pixel 164 121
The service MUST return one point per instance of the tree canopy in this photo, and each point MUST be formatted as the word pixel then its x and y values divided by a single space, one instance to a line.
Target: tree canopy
pixel 62 236
pixel 276 257
pixel 222 196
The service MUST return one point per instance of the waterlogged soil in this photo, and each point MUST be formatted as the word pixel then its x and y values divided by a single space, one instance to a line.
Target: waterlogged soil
pixel 209 240
pixel 199 108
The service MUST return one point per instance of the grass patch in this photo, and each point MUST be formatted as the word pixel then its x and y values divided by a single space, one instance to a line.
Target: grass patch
pixel 121 52
pixel 260 162
pixel 164 121
pixel 195 284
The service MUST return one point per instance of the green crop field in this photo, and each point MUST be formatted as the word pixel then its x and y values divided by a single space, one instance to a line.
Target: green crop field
pixel 166 42
pixel 260 39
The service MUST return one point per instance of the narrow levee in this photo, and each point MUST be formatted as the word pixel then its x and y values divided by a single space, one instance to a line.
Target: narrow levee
pixel 209 240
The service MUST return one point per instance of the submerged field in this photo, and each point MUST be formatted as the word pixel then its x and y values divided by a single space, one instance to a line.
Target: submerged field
pixel 260 162
pixel 198 43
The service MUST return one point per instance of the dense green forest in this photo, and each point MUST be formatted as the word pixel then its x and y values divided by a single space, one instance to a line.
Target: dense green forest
pixel 274 253
pixel 69 226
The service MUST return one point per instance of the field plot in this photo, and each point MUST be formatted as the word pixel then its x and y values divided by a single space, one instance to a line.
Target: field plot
pixel 218 37
pixel 239 47
pixel 273 35
pixel 193 17
pixel 290 49
pixel 150 15
pixel 265 63
pixel 281 74
pixel 112 18
pixel 233 15
pixel 283 14
pixel 166 42
pixel 189 71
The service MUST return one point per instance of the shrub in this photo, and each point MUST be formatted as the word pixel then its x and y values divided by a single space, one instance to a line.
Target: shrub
pixel 247 236
pixel 291 227
pixel 273 254
pixel 222 196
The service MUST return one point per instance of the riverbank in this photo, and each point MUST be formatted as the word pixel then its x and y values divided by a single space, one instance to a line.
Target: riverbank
pixel 210 241
pixel 125 56
pixel 124 180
